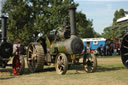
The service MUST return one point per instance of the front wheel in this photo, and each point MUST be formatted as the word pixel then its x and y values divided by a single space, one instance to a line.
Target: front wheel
pixel 90 63
pixel 18 65
pixel 61 63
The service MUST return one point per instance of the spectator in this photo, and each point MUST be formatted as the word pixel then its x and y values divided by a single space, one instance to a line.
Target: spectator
pixel 99 49
pixel 107 50
pixel 104 50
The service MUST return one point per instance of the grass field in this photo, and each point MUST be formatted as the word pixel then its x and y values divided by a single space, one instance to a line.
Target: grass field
pixel 110 71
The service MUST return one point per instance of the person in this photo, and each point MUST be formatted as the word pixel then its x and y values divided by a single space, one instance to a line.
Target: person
pixel 88 48
pixel 111 48
pixel 107 50
pixel 100 49
pixel 22 50
pixel 104 50
pixel 16 52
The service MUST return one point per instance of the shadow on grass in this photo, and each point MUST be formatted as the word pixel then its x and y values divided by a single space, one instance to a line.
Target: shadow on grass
pixel 100 68
pixel 27 72
pixel 6 70
pixel 112 68
pixel 47 69
pixel 53 69
pixel 6 73
pixel 76 68
pixel 6 78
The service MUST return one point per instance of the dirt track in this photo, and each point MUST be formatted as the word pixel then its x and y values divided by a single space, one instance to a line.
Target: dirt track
pixel 110 72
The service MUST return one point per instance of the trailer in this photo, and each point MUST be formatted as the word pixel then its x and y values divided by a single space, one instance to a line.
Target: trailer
pixel 94 43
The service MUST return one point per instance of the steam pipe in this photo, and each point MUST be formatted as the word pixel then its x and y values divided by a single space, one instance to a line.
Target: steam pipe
pixel 72 20
pixel 4 28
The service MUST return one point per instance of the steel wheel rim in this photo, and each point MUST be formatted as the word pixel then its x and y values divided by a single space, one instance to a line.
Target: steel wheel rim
pixel 89 63
pixel 61 64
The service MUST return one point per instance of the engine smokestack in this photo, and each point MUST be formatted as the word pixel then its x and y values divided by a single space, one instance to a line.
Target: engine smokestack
pixel 72 20
pixel 4 28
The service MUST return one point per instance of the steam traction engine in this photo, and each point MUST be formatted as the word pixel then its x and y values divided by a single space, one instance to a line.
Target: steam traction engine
pixel 6 51
pixel 60 49
pixel 124 43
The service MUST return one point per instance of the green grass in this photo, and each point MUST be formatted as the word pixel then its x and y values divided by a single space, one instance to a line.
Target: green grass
pixel 115 56
pixel 110 71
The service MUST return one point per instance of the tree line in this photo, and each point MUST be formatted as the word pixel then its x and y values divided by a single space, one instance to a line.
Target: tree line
pixel 116 30
pixel 27 18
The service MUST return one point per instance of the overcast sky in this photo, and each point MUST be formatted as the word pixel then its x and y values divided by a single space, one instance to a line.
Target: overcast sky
pixel 101 11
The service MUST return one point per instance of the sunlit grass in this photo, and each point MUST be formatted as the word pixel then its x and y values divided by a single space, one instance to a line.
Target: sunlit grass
pixel 110 71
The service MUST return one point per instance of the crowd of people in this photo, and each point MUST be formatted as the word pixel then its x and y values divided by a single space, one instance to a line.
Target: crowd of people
pixel 108 49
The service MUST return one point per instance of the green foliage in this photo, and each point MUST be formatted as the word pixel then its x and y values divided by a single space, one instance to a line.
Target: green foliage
pixel 18 25
pixel 115 30
pixel 84 26
pixel 118 14
pixel 97 35
pixel 108 32
pixel 29 17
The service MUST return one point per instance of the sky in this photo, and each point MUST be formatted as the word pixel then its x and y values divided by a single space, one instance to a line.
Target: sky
pixel 101 11
pixel 1 5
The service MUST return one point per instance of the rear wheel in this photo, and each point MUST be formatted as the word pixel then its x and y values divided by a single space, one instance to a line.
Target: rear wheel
pixel 18 65
pixel 90 63
pixel 124 50
pixel 35 57
pixel 61 63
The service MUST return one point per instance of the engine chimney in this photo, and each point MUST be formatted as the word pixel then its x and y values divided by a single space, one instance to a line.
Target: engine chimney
pixel 72 20
pixel 4 28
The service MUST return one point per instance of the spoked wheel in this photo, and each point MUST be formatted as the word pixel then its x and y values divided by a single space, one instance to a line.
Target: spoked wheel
pixel 35 57
pixel 18 65
pixel 90 63
pixel 124 50
pixel 61 63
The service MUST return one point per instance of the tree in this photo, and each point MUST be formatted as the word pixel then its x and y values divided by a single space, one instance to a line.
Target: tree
pixel 97 35
pixel 29 17
pixel 84 26
pixel 115 30
pixel 18 21
pixel 108 33
pixel 118 14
